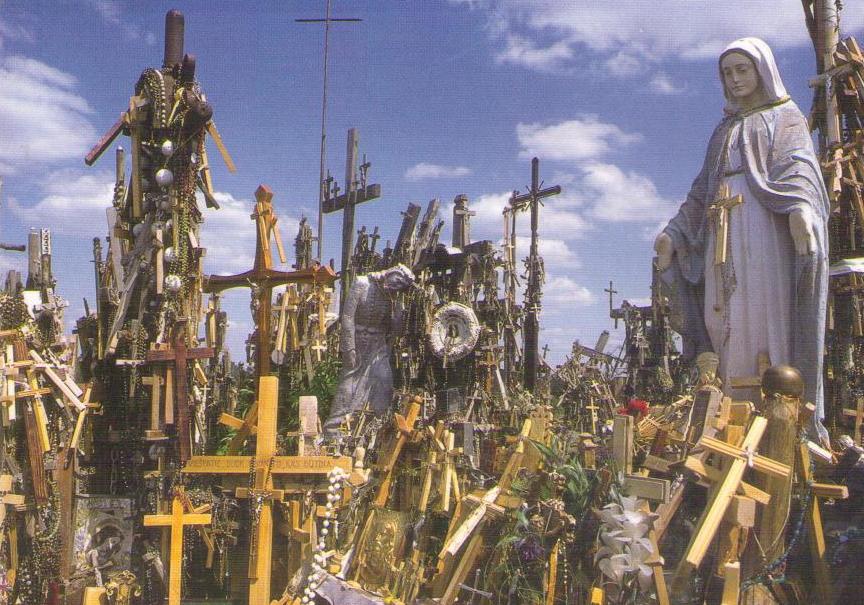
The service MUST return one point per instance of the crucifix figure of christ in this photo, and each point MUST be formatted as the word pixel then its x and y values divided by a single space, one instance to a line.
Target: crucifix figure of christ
pixel 531 328
pixel 265 465
pixel 720 211
pixel 177 520
pixel 262 278
pixel 178 359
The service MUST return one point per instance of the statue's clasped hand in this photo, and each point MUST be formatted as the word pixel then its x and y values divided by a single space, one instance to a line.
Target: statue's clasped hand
pixel 801 228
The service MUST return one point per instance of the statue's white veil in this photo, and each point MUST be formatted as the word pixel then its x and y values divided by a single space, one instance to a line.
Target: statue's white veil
pixel 759 51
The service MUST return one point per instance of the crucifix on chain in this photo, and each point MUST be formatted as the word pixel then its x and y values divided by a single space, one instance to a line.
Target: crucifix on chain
pixel 719 212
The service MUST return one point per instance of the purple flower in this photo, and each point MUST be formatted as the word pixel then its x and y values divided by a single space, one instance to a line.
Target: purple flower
pixel 529 549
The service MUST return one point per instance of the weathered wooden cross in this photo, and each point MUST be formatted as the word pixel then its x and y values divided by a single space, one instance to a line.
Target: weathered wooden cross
pixel 263 278
pixel 177 520
pixel 356 192
pixel 179 357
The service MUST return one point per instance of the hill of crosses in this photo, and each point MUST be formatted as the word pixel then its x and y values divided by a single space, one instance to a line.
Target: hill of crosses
pixel 395 433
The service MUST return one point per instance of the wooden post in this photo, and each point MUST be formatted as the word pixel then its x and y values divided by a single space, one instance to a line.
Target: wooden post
pixel 778 444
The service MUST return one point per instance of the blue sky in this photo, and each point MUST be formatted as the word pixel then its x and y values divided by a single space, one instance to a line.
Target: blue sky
pixel 617 99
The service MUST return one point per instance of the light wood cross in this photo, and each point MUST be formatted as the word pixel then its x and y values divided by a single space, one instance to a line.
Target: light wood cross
pixel 405 426
pixel 720 211
pixel 739 459
pixel 267 466
pixel 467 526
pixel 262 278
pixel 177 520
pixel 858 414
pixel 7 498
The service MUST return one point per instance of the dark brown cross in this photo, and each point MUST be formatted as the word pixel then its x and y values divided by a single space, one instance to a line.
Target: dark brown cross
pixel 180 356
pixel 263 278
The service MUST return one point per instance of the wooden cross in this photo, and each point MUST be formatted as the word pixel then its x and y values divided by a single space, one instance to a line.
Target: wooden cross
pixel 719 211
pixel 405 426
pixel 738 460
pixel 611 291
pixel 816 537
pixel 356 192
pixel 451 573
pixel 179 358
pixel 263 278
pixel 267 465
pixel 7 498
pixel 858 414
pixel 177 520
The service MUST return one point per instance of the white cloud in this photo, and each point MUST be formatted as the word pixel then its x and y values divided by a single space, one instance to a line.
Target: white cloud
pixel 662 84
pixel 424 170
pixel 73 202
pixel 653 30
pixel 601 190
pixel 557 219
pixel 622 196
pixel 562 293
pixel 522 51
pixel 555 252
pixel 579 139
pixel 623 64
pixel 42 118
pixel 11 32
pixel 109 10
pixel 229 236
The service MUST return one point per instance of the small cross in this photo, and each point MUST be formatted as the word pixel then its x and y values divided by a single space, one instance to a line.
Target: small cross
pixel 611 292
pixel 719 213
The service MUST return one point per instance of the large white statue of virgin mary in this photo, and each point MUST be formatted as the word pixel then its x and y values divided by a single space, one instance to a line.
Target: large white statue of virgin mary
pixel 760 191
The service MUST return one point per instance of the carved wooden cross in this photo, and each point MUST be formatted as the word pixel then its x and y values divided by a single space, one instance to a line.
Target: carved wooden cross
pixel 177 520
pixel 179 358
pixel 263 278
pixel 267 465
pixel 719 211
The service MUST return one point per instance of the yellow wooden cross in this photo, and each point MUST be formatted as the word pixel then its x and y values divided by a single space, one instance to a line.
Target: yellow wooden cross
pixel 267 466
pixel 720 211
pixel 738 460
pixel 405 426
pixel 177 520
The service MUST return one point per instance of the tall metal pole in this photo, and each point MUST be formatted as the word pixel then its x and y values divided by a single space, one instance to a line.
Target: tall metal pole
pixel 327 20
pixel 323 137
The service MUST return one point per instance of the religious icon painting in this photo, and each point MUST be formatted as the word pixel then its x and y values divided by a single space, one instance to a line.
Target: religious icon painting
pixel 103 534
